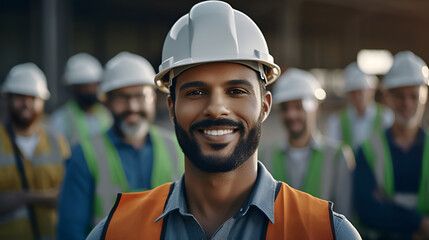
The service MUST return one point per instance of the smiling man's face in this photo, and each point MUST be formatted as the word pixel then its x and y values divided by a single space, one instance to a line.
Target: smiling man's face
pixel 217 112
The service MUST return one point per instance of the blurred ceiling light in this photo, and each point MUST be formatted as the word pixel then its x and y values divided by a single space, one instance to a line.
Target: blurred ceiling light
pixel 374 61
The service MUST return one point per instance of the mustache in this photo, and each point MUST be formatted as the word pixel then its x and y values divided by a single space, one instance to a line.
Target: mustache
pixel 219 122
pixel 127 113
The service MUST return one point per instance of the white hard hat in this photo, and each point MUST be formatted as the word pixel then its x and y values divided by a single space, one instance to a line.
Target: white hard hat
pixel 297 84
pixel 126 69
pixel 82 68
pixel 356 79
pixel 407 70
pixel 26 79
pixel 214 32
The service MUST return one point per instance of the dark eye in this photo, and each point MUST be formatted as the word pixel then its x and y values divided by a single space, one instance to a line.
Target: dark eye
pixel 237 91
pixel 194 93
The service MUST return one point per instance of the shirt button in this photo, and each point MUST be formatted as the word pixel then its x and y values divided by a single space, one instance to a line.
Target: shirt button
pixel 241 209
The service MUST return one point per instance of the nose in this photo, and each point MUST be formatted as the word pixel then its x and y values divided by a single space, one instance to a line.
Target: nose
pixel 133 104
pixel 29 101
pixel 217 106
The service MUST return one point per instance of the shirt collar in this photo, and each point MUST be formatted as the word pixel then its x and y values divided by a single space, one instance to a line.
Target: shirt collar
pixel 262 196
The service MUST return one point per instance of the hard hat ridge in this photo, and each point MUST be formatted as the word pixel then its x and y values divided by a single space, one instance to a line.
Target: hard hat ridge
pixel 26 79
pixel 407 70
pixel 213 32
pixel 82 68
pixel 126 69
pixel 356 79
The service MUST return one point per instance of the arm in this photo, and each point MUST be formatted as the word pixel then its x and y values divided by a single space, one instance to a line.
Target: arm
pixel 377 212
pixel 342 196
pixel 333 127
pixel 76 198
pixel 344 230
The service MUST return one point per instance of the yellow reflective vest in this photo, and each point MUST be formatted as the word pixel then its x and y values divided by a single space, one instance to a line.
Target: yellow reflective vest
pixel 44 171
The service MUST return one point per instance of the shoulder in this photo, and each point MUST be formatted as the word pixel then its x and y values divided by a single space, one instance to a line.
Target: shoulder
pixel 97 231
pixel 343 228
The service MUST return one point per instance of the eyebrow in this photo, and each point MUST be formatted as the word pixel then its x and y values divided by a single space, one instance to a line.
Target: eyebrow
pixel 192 84
pixel 228 83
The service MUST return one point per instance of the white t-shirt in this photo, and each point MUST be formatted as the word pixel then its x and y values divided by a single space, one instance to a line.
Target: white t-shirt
pixel 27 145
pixel 297 162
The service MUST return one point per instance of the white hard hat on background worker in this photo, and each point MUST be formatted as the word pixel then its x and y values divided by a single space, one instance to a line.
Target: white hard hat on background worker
pixel 198 38
pixel 82 68
pixel 26 79
pixel 407 70
pixel 355 79
pixel 297 84
pixel 126 69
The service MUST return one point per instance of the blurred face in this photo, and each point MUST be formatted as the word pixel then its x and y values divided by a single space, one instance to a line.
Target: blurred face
pixel 360 99
pixel 133 109
pixel 296 119
pixel 408 104
pixel 24 110
pixel 217 114
pixel 85 94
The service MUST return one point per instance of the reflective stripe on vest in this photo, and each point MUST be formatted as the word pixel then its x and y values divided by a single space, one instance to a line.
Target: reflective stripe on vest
pixel 319 179
pixel 105 166
pixel 377 154
pixel 44 171
pixel 346 128
pixel 297 215
pixel 78 127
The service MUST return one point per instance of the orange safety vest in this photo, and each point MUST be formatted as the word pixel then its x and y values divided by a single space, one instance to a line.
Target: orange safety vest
pixel 297 215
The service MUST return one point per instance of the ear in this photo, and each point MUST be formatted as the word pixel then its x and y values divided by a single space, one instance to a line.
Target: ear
pixel 170 108
pixel 267 101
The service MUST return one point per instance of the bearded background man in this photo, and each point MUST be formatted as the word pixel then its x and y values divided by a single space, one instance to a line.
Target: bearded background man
pixel 391 180
pixel 83 115
pixel 305 159
pixel 215 66
pixel 31 159
pixel 133 155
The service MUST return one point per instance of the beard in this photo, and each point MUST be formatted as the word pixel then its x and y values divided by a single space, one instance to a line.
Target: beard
pixel 293 134
pixel 245 148
pixel 135 130
pixel 20 121
pixel 86 101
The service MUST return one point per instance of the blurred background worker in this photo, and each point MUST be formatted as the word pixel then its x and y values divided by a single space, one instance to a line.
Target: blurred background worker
pixel 133 155
pixel 306 160
pixel 31 159
pixel 84 114
pixel 363 115
pixel 392 179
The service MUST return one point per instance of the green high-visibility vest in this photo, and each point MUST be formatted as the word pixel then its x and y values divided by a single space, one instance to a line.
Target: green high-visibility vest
pixel 377 153
pixel 78 128
pixel 105 166
pixel 346 128
pixel 320 174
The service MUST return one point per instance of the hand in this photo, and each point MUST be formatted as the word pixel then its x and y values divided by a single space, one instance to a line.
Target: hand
pixel 423 232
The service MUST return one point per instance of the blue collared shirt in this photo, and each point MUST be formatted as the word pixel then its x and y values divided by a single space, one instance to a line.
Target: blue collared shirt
pixel 78 188
pixel 247 223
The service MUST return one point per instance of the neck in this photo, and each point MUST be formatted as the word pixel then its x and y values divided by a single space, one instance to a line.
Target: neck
pixel 301 141
pixel 404 136
pixel 137 143
pixel 213 198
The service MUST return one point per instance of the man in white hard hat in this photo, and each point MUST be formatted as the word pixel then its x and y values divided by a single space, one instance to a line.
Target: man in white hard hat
pixel 133 155
pixel 363 115
pixel 84 115
pixel 306 160
pixel 391 183
pixel 216 65
pixel 31 159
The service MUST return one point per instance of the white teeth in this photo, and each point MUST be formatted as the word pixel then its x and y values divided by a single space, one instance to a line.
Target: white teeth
pixel 217 132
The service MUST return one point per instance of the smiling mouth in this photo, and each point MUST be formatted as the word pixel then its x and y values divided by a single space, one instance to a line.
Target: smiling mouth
pixel 219 132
